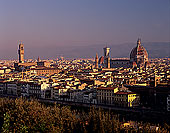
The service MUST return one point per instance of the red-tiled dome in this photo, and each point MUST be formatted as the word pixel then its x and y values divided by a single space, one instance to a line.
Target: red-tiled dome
pixel 139 53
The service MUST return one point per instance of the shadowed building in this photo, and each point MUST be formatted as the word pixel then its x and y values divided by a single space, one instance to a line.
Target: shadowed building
pixel 154 96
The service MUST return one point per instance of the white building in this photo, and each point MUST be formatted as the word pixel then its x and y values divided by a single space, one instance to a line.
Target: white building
pixel 12 88
pixel 58 92
pixel 38 90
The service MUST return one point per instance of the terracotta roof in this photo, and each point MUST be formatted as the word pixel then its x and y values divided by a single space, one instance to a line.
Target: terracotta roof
pixel 106 88
pixel 45 68
pixel 138 50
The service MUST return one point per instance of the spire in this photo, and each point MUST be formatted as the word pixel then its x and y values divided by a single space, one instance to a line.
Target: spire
pixel 20 42
pixel 38 59
pixel 96 56
pixel 138 41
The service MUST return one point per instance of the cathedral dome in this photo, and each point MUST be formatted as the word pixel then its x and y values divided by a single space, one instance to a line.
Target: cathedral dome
pixel 139 53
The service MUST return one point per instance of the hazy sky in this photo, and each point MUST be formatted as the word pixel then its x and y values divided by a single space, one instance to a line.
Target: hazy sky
pixel 81 22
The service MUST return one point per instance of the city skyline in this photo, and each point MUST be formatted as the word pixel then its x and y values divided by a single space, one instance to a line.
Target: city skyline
pixel 84 66
pixel 42 24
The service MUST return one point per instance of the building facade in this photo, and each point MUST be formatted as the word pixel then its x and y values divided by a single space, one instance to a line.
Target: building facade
pixel 45 71
pixel 105 95
pixel 126 99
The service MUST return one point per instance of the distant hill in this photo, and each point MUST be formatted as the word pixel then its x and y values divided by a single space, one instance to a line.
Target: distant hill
pixel 155 50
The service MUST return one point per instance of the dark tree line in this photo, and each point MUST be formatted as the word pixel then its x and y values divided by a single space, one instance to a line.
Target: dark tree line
pixel 21 115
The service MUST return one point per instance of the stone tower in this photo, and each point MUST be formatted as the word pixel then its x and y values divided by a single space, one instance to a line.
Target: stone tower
pixel 96 61
pixel 21 52
pixel 106 57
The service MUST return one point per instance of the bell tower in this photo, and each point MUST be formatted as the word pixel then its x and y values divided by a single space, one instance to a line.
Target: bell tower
pixel 106 57
pixel 21 52
pixel 96 61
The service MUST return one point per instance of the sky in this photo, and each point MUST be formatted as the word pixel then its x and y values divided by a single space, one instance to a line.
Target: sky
pixel 55 23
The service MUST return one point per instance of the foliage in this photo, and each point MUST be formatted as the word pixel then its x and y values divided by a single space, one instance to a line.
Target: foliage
pixel 21 115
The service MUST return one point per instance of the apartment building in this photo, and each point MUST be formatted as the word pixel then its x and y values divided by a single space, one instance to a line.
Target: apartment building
pixel 105 94
pixel 126 99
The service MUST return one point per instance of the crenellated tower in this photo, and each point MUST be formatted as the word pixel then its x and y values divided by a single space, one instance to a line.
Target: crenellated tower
pixel 21 52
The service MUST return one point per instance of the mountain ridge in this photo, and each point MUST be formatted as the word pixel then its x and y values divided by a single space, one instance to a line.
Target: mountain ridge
pixel 154 49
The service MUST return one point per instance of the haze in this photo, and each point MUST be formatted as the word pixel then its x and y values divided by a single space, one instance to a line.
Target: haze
pixel 43 24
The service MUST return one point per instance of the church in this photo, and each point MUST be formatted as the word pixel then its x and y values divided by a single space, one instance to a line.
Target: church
pixel 138 58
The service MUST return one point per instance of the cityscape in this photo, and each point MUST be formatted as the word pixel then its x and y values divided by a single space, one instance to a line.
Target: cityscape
pixel 103 93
